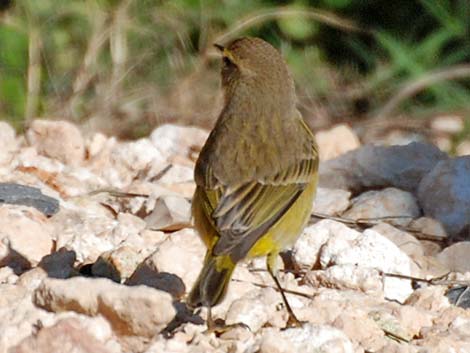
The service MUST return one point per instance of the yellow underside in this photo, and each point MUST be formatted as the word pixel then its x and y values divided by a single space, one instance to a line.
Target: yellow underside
pixel 281 235
pixel 285 232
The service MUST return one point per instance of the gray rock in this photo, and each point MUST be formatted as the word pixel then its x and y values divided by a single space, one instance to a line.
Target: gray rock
pixel 444 194
pixel 459 296
pixel 146 274
pixel 381 166
pixel 59 264
pixel 17 194
pixel 397 205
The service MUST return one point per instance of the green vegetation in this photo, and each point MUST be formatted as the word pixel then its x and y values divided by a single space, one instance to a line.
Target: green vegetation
pixel 132 64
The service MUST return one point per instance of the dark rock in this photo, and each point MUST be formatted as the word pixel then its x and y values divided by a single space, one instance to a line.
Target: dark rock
pixel 148 275
pixel 372 166
pixel 459 296
pixel 17 194
pixel 59 264
pixel 444 194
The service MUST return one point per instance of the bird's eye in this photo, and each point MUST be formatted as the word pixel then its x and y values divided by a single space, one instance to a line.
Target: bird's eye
pixel 227 61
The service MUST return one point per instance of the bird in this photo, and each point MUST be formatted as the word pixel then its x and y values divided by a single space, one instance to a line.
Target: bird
pixel 256 175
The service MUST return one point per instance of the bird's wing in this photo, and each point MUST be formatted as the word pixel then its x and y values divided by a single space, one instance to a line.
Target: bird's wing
pixel 241 214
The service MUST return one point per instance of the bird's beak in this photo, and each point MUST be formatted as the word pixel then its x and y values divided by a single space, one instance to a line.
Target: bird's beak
pixel 219 47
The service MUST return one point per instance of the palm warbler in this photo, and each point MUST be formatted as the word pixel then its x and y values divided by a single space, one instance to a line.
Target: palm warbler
pixel 256 175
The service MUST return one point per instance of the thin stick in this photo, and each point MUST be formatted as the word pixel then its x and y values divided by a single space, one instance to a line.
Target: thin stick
pixel 115 193
pixel 369 222
pixel 414 86
pixel 435 281
pixel 161 173
pixel 281 12
pixel 34 72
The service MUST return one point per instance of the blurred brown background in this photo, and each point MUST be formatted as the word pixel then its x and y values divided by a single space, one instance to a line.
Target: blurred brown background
pixel 126 66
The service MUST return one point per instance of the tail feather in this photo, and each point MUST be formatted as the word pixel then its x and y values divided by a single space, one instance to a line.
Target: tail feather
pixel 212 283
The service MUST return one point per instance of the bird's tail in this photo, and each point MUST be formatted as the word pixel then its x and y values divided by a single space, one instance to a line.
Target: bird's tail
pixel 212 283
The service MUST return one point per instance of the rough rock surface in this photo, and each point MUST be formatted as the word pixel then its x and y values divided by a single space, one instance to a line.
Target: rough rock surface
pixel 405 241
pixel 170 213
pixel 348 281
pixel 9 143
pixel 17 194
pixel 371 166
pixel 60 140
pixel 309 339
pixel 455 257
pixel 25 236
pixel 177 140
pixel 118 264
pixel 463 148
pixel 59 264
pixel 444 194
pixel 336 141
pixel 67 336
pixel 131 311
pixel 397 205
pixel 308 245
pixel 371 250
pixel 331 201
pixel 180 254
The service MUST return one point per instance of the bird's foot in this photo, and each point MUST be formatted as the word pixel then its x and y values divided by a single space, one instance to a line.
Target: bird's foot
pixel 219 327
pixel 293 322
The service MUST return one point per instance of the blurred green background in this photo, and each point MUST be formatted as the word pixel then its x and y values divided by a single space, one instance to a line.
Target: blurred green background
pixel 125 66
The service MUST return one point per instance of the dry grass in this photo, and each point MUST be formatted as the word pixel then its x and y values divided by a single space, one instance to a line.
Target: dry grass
pixel 133 65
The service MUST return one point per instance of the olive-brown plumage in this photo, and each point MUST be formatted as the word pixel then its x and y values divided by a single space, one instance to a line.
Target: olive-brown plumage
pixel 256 174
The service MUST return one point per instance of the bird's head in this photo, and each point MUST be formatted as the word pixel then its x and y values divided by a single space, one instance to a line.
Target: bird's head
pixel 253 67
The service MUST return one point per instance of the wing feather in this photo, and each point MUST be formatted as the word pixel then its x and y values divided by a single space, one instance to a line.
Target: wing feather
pixel 243 213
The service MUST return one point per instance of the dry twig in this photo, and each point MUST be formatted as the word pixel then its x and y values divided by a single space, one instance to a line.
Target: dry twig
pixel 369 222
pixel 414 86
pixel 281 12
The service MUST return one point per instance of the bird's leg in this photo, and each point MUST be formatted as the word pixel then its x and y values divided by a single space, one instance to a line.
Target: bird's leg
pixel 271 265
pixel 290 263
pixel 212 326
